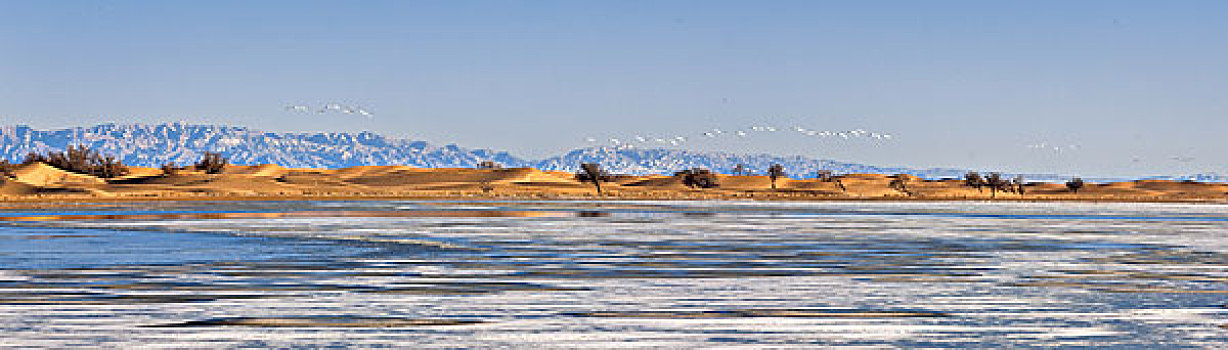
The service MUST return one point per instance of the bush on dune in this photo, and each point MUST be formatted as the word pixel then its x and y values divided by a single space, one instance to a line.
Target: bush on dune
pixel 80 159
pixel 212 163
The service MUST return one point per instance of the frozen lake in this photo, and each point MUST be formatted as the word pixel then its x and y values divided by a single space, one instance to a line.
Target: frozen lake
pixel 452 274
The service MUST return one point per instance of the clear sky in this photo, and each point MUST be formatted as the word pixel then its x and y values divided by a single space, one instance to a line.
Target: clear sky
pixel 967 84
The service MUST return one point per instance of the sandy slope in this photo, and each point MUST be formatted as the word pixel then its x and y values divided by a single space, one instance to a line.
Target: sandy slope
pixel 39 174
pixel 39 181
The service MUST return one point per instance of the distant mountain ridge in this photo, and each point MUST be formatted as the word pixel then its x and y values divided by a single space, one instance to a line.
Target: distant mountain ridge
pixel 151 145
pixel 660 161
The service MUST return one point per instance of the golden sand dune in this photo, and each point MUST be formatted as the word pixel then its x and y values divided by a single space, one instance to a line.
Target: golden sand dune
pixel 34 181
pixel 948 188
pixel 657 182
pixel 14 188
pixel 449 176
pixel 869 185
pixel 538 176
pixel 1047 189
pixel 314 179
pixel 196 184
pixel 746 182
pixel 361 171
pixel 266 170
pixel 815 187
pixel 141 172
pixel 1157 185
pixel 39 174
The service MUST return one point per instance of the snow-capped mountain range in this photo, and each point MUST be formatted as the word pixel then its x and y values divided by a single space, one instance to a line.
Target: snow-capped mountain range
pixel 153 145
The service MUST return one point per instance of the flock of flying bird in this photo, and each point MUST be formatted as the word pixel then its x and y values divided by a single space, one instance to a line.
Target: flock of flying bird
pixel 718 133
pixel 714 133
pixel 641 140
pixel 332 107
pixel 1071 148
pixel 1055 148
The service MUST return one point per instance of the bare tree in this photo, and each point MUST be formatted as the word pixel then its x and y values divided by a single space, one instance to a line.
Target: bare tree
pixel 1074 185
pixel 973 179
pixel 824 175
pixel 169 168
pixel 6 168
pixel 1019 184
pixel 900 183
pixel 774 172
pixel 592 172
pixel 995 183
pixel 110 167
pixel 698 177
pixel 212 163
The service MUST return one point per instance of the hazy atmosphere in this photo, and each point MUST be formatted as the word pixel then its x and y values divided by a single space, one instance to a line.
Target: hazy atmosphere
pixel 1109 88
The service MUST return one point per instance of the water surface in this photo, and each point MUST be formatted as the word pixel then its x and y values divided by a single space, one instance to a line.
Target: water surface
pixel 614 274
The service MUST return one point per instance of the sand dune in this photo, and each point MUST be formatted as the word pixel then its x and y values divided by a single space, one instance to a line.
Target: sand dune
pixel 141 172
pixel 272 181
pixel 265 170
pixel 869 185
pixel 746 182
pixel 14 188
pixel 361 171
pixel 657 182
pixel 42 175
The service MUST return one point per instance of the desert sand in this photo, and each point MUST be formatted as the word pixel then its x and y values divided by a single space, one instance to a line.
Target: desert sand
pixel 40 182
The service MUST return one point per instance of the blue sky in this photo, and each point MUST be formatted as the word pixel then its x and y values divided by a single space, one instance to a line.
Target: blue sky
pixel 958 83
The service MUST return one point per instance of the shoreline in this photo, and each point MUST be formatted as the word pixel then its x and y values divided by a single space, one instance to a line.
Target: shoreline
pixel 41 183
pixel 53 199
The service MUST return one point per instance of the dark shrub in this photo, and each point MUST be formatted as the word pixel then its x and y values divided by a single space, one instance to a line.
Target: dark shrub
pixel 1074 185
pixel 80 159
pixel 900 183
pixel 824 175
pixel 169 168
pixel 698 177
pixel 212 163
pixel 973 179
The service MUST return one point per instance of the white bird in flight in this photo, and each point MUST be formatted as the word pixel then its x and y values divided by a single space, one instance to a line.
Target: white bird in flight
pixel 328 107
pixel 643 140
